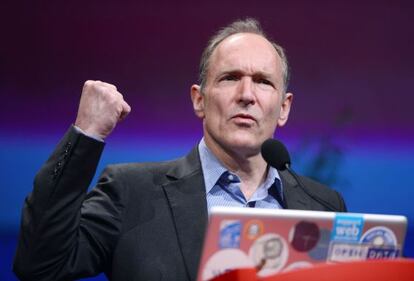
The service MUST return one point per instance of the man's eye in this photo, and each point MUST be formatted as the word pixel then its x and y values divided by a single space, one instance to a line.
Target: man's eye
pixel 229 78
pixel 264 81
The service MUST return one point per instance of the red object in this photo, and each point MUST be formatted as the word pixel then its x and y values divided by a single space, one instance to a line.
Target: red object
pixel 372 270
pixel 244 274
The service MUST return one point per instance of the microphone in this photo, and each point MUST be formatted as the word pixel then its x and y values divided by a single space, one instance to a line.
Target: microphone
pixel 276 155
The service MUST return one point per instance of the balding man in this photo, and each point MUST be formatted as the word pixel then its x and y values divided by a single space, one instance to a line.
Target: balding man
pixel 146 221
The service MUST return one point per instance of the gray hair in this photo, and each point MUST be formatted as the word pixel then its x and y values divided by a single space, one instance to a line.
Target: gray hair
pixel 248 25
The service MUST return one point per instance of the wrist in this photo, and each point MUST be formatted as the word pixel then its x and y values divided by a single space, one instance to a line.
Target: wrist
pixel 90 133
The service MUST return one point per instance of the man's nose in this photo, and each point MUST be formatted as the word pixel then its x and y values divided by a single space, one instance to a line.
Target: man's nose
pixel 246 91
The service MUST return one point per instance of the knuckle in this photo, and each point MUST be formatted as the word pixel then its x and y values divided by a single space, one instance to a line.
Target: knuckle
pixel 92 86
pixel 87 83
pixel 111 85
pixel 107 92
pixel 109 98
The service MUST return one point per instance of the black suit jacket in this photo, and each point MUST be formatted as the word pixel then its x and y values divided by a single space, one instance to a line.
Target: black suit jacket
pixel 141 222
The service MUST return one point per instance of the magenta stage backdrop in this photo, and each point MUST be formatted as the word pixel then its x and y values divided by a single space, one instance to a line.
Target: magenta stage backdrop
pixel 352 72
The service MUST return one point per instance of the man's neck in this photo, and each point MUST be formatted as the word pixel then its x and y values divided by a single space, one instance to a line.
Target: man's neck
pixel 250 166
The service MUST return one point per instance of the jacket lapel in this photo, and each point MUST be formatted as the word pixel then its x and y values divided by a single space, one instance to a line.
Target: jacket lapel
pixel 187 198
pixel 294 196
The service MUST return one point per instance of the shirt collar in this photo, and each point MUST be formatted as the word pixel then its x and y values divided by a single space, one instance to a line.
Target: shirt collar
pixel 213 169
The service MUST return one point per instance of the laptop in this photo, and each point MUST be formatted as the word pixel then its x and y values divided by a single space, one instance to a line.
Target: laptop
pixel 273 241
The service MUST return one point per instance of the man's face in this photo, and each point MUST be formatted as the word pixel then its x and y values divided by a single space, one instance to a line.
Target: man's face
pixel 242 101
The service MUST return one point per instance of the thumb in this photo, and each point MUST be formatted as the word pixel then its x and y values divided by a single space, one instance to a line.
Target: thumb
pixel 126 109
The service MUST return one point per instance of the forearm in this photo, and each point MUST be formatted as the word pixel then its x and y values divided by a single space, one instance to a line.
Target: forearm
pixel 51 213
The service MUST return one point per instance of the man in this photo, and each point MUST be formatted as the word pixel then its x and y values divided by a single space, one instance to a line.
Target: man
pixel 147 221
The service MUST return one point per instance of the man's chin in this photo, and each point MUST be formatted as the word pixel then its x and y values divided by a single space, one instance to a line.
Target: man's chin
pixel 237 141
pixel 250 145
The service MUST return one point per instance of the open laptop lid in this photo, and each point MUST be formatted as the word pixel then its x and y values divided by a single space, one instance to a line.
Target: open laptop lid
pixel 274 241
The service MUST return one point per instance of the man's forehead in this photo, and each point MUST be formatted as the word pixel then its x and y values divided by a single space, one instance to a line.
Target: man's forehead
pixel 246 50
pixel 245 40
pixel 244 37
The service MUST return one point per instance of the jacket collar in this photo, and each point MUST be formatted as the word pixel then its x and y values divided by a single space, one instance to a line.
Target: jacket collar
pixel 294 196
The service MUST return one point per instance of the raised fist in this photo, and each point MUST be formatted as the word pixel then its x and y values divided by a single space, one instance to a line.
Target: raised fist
pixel 101 107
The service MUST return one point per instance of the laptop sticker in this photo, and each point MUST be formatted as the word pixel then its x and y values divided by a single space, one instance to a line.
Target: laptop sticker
pixel 297 265
pixel 225 260
pixel 382 241
pixel 253 229
pixel 347 227
pixel 320 252
pixel 340 252
pixel 304 236
pixel 379 236
pixel 269 253
pixel 230 234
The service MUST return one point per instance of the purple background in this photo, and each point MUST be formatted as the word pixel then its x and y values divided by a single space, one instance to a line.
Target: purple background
pixel 352 67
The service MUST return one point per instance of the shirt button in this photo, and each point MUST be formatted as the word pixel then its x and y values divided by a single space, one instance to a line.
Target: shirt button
pixel 231 177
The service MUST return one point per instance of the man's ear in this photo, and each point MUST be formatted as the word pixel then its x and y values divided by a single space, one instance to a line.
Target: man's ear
pixel 285 109
pixel 198 101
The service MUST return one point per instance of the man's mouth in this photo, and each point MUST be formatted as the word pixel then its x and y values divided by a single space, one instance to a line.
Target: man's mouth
pixel 244 117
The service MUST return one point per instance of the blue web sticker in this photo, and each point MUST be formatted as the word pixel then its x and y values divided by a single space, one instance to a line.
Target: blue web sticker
pixel 230 234
pixel 347 228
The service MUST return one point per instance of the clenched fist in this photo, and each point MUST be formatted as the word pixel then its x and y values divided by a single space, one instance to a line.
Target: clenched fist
pixel 101 107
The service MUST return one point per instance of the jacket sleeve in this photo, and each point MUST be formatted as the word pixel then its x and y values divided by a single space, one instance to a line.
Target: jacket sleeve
pixel 61 236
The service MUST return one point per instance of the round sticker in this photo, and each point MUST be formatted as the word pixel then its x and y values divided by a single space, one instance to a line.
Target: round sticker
pixel 225 260
pixel 269 253
pixel 304 236
pixel 253 229
pixel 379 236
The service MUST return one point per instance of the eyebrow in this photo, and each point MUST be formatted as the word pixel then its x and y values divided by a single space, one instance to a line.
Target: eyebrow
pixel 241 72
pixel 255 75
